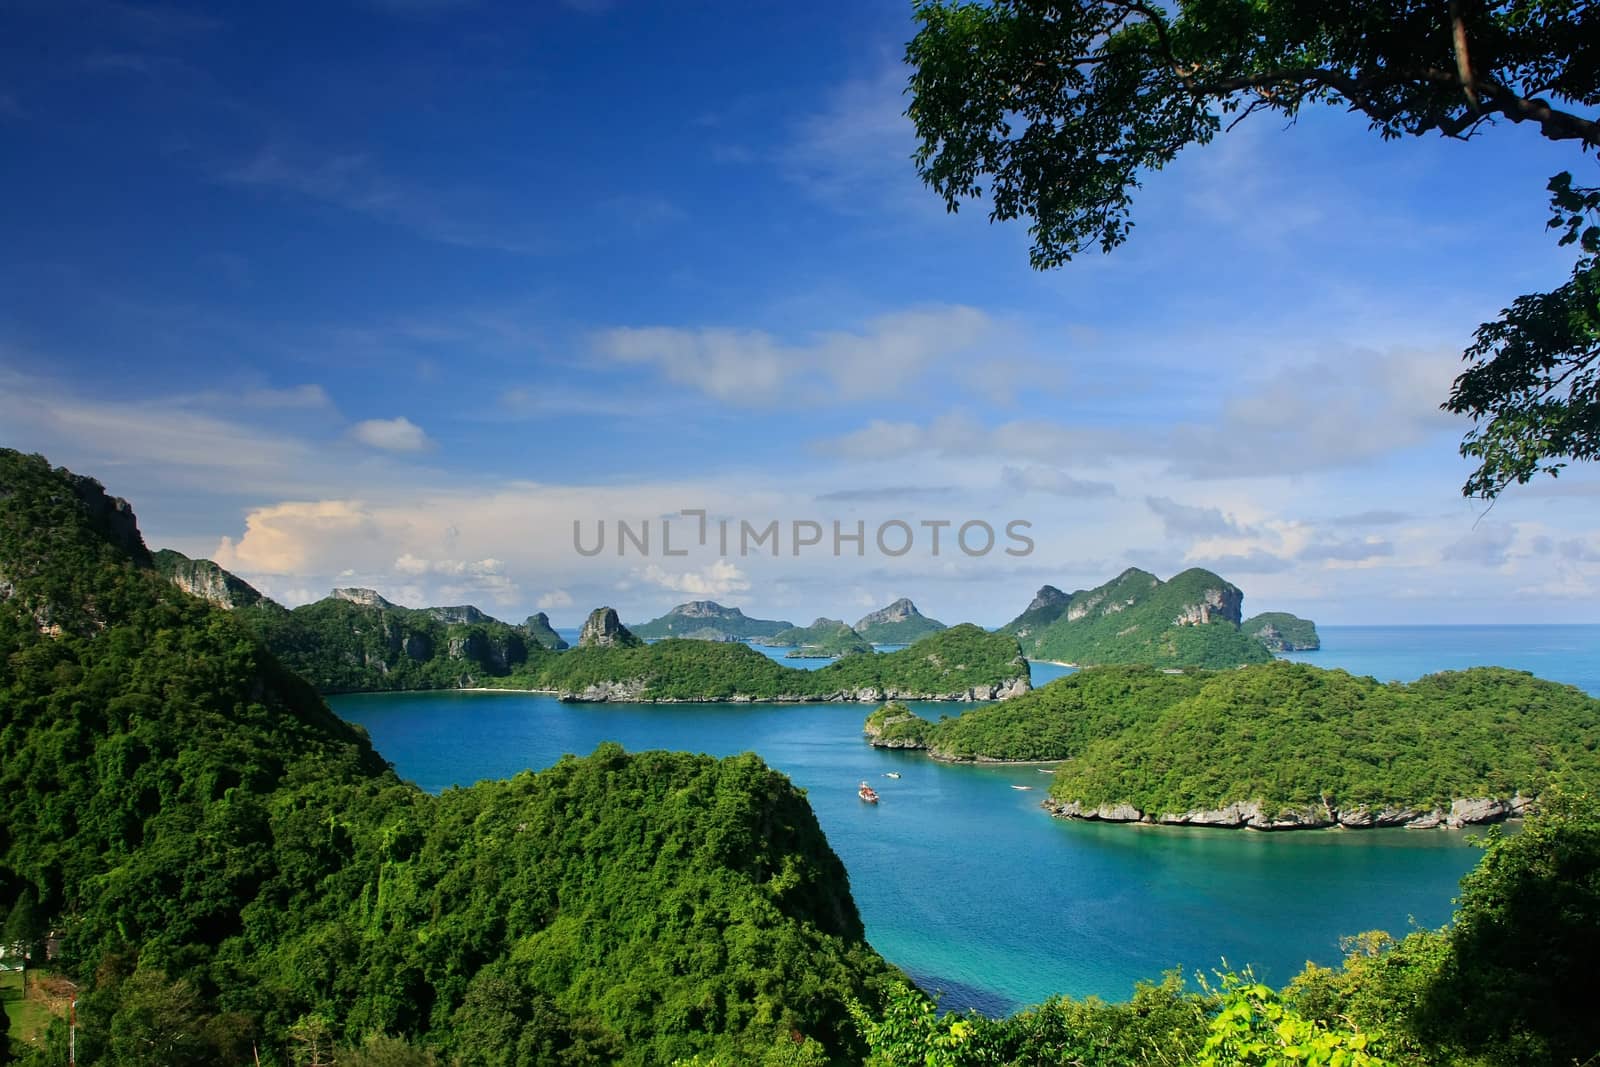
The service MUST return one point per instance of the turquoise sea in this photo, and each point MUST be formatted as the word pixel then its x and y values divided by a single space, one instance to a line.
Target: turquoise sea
pixel 968 885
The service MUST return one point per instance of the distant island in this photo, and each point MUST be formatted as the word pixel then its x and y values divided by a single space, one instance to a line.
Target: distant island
pixel 1282 632
pixel 1191 620
pixel 962 663
pixel 706 620
pixel 1279 746
pixel 355 640
pixel 823 639
pixel 900 623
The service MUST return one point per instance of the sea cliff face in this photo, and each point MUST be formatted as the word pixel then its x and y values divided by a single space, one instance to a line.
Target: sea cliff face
pixel 1250 815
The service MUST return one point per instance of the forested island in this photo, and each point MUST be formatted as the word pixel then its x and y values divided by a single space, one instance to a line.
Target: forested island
pixel 1191 620
pixel 356 641
pixel 961 663
pixel 1280 746
pixel 706 620
pixel 823 639
pixel 1282 632
pixel 899 623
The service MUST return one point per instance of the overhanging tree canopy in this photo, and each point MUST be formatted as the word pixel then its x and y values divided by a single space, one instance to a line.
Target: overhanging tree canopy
pixel 1056 110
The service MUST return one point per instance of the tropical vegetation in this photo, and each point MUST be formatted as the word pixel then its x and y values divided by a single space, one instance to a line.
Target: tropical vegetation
pixel 708 620
pixel 1282 632
pixel 1290 737
pixel 898 624
pixel 823 639
pixel 1191 620
pixel 234 870
pixel 950 664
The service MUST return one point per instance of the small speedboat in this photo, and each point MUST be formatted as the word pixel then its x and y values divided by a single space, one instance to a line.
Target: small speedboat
pixel 891 774
pixel 867 793
pixel 1024 788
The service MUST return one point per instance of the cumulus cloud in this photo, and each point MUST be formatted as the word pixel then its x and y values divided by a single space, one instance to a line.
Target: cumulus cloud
pixel 283 538
pixel 392 435
pixel 555 598
pixel 751 368
pixel 720 578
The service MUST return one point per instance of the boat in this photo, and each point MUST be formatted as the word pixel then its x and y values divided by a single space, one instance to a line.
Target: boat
pixel 1024 787
pixel 867 793
pixel 891 774
pixel 1046 770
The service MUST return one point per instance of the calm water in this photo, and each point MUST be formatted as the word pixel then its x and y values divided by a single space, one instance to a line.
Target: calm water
pixel 1569 654
pixel 964 882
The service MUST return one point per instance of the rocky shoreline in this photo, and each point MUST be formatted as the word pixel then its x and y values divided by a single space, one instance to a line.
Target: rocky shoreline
pixel 632 692
pixel 1249 815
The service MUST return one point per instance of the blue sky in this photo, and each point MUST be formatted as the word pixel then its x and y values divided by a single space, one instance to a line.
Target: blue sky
pixel 392 293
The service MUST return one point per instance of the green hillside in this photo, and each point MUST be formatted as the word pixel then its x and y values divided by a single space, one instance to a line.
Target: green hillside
pixel 899 623
pixel 234 866
pixel 1313 745
pixel 1283 632
pixel 950 664
pixel 1191 620
pixel 825 638
pixel 707 620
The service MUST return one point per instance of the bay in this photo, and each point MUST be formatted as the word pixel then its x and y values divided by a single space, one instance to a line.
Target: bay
pixel 962 879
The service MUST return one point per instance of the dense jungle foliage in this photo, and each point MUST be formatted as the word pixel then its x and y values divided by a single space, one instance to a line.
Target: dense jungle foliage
pixel 1138 618
pixel 231 865
pixel 1291 736
pixel 949 663
pixel 1283 632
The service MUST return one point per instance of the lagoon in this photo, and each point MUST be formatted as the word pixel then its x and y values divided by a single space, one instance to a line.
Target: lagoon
pixel 962 879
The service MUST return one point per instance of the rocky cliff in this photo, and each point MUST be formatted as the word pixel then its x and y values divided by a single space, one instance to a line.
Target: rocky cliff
pixel 1190 620
pixel 602 629
pixel 1280 631
pixel 900 623
pixel 537 627
pixel 209 582
pixel 708 620
pixel 1251 815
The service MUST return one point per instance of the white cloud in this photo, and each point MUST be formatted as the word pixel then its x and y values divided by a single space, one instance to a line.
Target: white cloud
pixel 1320 415
pixel 555 598
pixel 719 579
pixel 280 539
pixel 399 434
pixel 751 368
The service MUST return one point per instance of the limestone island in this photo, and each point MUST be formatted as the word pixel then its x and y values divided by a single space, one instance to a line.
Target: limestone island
pixel 1279 746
